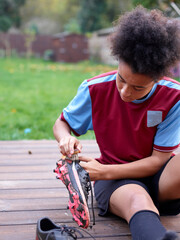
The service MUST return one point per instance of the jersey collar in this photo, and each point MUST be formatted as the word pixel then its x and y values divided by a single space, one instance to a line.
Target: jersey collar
pixel 148 96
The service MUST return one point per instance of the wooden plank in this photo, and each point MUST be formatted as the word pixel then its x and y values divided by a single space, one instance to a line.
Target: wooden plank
pixel 33 193
pixel 45 144
pixel 40 148
pixel 19 231
pixel 28 175
pixel 4 158
pixel 64 216
pixel 171 222
pixel 36 150
pixel 26 169
pixel 117 229
pixel 36 202
pixel 12 201
pixel 40 142
pixel 27 156
pixel 30 216
pixel 99 231
pixel 28 184
pixel 33 204
pixel 27 161
pixel 26 232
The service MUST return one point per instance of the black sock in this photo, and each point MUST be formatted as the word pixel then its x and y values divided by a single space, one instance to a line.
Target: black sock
pixel 146 225
pixel 170 235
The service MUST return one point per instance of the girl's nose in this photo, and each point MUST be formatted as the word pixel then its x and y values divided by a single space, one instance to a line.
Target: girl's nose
pixel 126 91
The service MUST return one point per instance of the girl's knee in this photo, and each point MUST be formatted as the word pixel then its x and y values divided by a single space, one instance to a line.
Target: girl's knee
pixel 129 199
pixel 138 201
pixel 141 201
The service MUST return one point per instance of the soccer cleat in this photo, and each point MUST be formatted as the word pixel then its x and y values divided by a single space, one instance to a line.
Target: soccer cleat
pixel 78 183
pixel 48 230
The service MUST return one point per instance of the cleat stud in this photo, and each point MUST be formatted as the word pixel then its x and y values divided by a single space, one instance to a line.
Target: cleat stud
pixel 57 164
pixel 57 177
pixel 67 207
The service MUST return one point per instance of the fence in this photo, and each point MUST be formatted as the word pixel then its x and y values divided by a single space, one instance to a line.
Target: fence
pixel 16 44
pixel 61 47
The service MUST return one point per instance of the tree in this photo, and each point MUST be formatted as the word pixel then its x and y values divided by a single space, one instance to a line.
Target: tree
pixel 146 3
pixel 30 36
pixel 164 5
pixel 55 11
pixel 94 14
pixel 10 14
pixel 90 15
pixel 115 9
pixel 72 26
pixel 73 15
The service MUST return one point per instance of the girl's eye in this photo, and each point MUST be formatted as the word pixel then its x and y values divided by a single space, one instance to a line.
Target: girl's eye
pixel 138 89
pixel 121 80
pixel 134 87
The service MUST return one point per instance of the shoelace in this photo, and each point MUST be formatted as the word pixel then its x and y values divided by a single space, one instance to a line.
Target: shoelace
pixel 89 188
pixel 72 232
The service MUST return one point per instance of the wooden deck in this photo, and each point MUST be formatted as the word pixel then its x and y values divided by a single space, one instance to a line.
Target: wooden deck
pixel 29 190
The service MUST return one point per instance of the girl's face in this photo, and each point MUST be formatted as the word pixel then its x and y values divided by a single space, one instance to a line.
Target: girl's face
pixel 132 86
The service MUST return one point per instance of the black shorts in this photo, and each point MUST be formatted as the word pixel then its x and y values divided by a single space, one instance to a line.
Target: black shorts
pixel 103 190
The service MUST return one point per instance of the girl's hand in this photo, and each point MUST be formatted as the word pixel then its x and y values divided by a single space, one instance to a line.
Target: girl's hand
pixel 93 167
pixel 68 144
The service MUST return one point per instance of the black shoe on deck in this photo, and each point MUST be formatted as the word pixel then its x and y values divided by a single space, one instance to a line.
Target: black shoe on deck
pixel 48 230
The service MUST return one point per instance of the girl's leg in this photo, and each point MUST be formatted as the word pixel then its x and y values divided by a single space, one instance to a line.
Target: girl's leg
pixel 169 183
pixel 134 204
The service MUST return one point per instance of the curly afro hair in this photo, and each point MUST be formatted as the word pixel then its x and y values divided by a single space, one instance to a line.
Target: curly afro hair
pixel 147 41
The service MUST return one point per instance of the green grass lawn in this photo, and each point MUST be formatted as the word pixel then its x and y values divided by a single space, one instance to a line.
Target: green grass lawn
pixel 33 94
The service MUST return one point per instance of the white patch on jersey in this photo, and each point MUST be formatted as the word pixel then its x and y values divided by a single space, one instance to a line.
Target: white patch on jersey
pixel 154 118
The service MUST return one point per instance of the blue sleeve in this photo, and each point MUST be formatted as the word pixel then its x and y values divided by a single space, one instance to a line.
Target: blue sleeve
pixel 168 131
pixel 78 113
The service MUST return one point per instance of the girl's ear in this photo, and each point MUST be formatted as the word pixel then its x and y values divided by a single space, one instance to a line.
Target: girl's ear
pixel 160 78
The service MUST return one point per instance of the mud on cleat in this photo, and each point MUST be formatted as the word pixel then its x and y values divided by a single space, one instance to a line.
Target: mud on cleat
pixel 78 184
